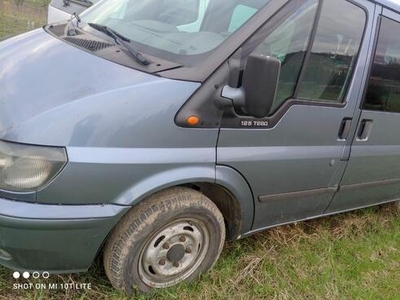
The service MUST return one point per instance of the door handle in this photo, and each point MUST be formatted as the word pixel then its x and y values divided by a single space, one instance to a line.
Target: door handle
pixel 364 130
pixel 344 129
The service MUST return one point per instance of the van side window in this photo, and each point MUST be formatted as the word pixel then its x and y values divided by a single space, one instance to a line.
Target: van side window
pixel 383 92
pixel 289 43
pixel 321 71
pixel 334 51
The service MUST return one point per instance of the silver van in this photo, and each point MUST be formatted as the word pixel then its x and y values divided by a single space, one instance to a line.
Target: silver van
pixel 130 130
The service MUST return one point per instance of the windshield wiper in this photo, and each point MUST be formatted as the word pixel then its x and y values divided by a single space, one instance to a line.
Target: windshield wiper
pixel 122 41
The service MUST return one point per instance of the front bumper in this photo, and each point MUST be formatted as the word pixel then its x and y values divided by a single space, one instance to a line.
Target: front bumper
pixel 53 238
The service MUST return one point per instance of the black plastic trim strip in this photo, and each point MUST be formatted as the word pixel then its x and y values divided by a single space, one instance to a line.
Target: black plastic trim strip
pixel 357 186
pixel 296 195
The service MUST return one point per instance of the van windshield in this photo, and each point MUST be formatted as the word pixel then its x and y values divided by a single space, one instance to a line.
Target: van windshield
pixel 183 31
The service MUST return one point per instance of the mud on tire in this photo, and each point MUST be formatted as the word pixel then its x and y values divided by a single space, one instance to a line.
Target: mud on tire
pixel 173 236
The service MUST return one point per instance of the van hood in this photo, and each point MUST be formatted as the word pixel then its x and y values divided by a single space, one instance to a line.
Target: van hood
pixel 52 93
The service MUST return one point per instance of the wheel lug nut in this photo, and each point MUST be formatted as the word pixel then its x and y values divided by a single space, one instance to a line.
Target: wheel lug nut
pixel 188 250
pixel 182 239
pixel 166 246
pixel 176 264
pixel 161 262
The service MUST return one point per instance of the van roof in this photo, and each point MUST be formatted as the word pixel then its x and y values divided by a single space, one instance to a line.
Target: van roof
pixel 392 4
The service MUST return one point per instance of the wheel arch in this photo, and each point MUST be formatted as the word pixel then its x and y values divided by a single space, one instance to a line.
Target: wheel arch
pixel 226 203
pixel 222 185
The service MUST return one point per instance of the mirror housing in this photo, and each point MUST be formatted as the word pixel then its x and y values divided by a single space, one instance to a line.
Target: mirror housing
pixel 260 82
pixel 259 86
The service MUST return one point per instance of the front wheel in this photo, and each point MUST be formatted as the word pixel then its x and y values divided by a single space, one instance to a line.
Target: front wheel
pixel 173 236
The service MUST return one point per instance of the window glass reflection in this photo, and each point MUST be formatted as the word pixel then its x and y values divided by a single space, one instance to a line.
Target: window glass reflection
pixel 289 43
pixel 384 84
pixel 334 51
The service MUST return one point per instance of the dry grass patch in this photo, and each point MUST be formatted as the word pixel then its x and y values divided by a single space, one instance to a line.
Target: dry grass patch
pixel 350 256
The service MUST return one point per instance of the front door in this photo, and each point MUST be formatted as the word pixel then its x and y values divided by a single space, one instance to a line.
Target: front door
pixel 294 159
pixel 373 172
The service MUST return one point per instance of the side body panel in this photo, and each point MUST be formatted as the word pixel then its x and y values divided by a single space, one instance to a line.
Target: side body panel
pixel 294 169
pixel 372 175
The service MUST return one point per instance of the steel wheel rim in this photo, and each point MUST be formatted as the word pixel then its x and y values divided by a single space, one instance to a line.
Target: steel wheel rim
pixel 173 253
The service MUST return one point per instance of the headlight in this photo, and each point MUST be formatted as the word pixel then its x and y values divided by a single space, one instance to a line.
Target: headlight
pixel 25 168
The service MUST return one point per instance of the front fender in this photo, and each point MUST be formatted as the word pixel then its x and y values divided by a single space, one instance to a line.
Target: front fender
pixel 235 183
pixel 223 176
pixel 166 179
pixel 124 176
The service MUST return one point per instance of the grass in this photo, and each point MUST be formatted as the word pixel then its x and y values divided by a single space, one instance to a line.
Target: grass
pixel 14 21
pixel 350 256
pixel 11 25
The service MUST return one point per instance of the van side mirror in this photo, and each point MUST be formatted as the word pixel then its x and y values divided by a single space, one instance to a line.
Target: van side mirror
pixel 259 86
pixel 260 82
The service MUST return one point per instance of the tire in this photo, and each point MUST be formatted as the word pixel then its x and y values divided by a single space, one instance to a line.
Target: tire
pixel 173 236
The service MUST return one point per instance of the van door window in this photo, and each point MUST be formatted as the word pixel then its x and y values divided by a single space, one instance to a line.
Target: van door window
pixel 321 71
pixel 289 43
pixel 383 91
pixel 334 52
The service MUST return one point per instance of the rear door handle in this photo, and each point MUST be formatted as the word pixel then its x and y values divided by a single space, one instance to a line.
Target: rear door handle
pixel 365 130
pixel 344 129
